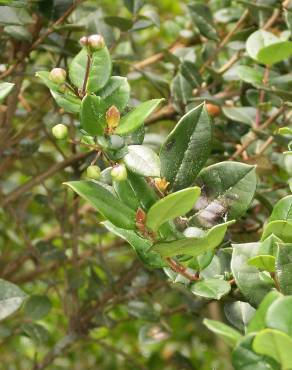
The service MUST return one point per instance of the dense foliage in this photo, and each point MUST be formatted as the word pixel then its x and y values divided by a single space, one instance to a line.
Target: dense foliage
pixel 146 170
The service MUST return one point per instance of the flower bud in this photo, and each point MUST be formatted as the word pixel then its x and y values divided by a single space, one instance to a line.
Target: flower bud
pixel 112 117
pixel 95 42
pixel 93 172
pixel 58 75
pixel 83 41
pixel 119 173
pixel 60 131
pixel 161 184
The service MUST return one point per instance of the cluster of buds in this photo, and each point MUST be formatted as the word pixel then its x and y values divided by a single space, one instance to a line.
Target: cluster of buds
pixel 112 118
pixel 92 42
pixel 58 75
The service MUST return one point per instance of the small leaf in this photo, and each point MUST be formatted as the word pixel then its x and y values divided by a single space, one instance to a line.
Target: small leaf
pixel 36 332
pixel 279 315
pixel 142 160
pixel 275 53
pixel 100 69
pixel 133 120
pixel 282 210
pixel 92 115
pixel 258 40
pixel 283 268
pixel 172 206
pixel 142 310
pixel 105 202
pixel 258 321
pixel 70 103
pixel 11 298
pixel 240 114
pixel 250 75
pixel 275 344
pixel 211 288
pixel 263 262
pixel 5 88
pixel 229 335
pixel 37 307
pixel 193 246
pixel 116 92
pixel 281 229
pixel 186 148
pixel 202 18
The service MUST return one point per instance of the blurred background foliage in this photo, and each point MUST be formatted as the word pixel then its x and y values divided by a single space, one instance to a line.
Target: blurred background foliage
pixel 138 319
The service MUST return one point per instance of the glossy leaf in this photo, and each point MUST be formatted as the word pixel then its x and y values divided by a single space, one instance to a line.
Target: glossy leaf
pixel 116 92
pixel 172 206
pixel 281 229
pixel 100 69
pixel 126 194
pixel 211 288
pixel 193 246
pixel 105 202
pixel 257 41
pixel 186 148
pixel 133 120
pixel 11 298
pixel 263 262
pixel 142 160
pixel 230 336
pixel 275 344
pixel 240 114
pixel 92 115
pixel 279 315
pixel 282 210
pixel 142 190
pixel 239 314
pixel 231 183
pixel 250 75
pixel 275 53
pixel 283 268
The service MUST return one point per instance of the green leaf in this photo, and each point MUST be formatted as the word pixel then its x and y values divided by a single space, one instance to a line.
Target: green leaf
pixel 250 75
pixel 244 358
pixel 37 307
pixel 142 160
pixel 248 278
pixel 11 298
pixel 211 288
pixel 279 315
pixel 140 245
pixel 281 229
pixel 100 69
pixel 239 314
pixel 231 183
pixel 263 262
pixel 18 33
pixel 172 206
pixel 92 114
pixel 202 18
pixel 229 335
pixel 105 202
pixel 275 344
pixel 38 333
pixel 5 88
pixel 126 193
pixel 143 192
pixel 186 148
pixel 258 321
pixel 240 114
pixel 124 24
pixel 193 246
pixel 282 210
pixel 275 53
pixel 257 41
pixel 116 92
pixel 133 120
pixel 142 310
pixel 284 268
pixel 270 246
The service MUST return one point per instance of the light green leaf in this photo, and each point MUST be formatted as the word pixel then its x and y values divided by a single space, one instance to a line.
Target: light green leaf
pixel 11 298
pixel 193 246
pixel 275 344
pixel 232 184
pixel 142 160
pixel 258 40
pixel 284 268
pixel 133 120
pixel 279 315
pixel 250 75
pixel 248 278
pixel 139 244
pixel 100 69
pixel 211 288
pixel 263 262
pixel 229 335
pixel 275 53
pixel 92 114
pixel 37 307
pixel 172 206
pixel 240 114
pixel 116 92
pixel 105 202
pixel 258 322
pixel 282 210
pixel 281 229
pixel 186 148
pixel 5 88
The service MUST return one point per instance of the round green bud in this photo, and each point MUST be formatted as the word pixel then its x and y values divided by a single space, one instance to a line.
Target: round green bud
pixel 95 42
pixel 58 75
pixel 60 131
pixel 119 173
pixel 93 172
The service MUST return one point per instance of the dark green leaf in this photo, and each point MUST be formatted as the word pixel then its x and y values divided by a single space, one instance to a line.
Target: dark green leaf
pixel 116 92
pixel 37 307
pixel 36 332
pixel 284 268
pixel 279 315
pixel 239 314
pixel 202 18
pixel 92 114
